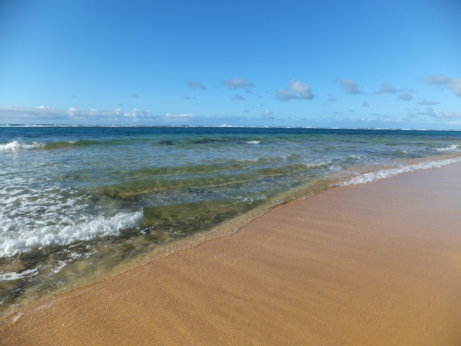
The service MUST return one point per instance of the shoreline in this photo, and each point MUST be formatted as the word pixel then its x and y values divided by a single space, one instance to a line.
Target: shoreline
pixel 360 175
pixel 96 247
pixel 90 297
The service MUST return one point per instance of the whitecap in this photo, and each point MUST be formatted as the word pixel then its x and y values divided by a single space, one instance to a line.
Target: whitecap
pixel 318 164
pixel 254 142
pixel 17 145
pixel 66 233
pixel 249 160
pixel 451 147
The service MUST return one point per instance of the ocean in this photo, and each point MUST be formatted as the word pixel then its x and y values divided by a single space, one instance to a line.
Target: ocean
pixel 78 202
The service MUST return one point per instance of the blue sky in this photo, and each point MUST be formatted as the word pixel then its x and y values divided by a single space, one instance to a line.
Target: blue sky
pixel 388 64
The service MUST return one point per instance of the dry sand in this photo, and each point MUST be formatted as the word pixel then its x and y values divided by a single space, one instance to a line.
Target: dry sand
pixel 373 264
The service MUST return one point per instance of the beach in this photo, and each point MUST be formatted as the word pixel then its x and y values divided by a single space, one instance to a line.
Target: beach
pixel 187 173
pixel 367 264
pixel 80 203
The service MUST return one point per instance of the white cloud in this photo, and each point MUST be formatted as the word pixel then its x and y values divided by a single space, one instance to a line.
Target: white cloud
pixel 236 83
pixel 444 115
pixel 237 97
pixel 296 90
pixel 442 79
pixel 196 85
pixel 303 89
pixel 185 115
pixel 449 115
pixel 450 83
pixel 18 115
pixel 387 89
pixel 429 111
pixel 137 114
pixel 350 86
pixel 42 114
pixel 332 99
pixel 455 86
pixel 424 102
pixel 285 95
pixel 365 104
pixel 267 115
pixel 74 113
pixel 405 97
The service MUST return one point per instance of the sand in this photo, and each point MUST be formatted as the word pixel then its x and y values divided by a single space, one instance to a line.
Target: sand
pixel 372 264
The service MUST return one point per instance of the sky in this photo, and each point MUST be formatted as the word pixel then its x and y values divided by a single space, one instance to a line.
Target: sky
pixel 352 64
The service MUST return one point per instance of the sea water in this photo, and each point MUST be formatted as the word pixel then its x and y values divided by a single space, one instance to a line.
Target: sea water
pixel 76 202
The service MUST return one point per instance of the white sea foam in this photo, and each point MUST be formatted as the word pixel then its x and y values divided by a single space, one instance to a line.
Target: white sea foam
pixel 250 200
pixel 318 164
pixel 17 317
pixel 249 160
pixel 289 156
pixel 254 142
pixel 28 238
pixel 58 268
pixel 390 172
pixel 451 147
pixel 15 276
pixel 18 145
pixel 36 211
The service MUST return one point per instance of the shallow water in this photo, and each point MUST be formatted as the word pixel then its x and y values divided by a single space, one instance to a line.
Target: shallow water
pixel 76 202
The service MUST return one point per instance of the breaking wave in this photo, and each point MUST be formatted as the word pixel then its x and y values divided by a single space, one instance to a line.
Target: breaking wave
pixel 18 145
pixel 100 226
pixel 390 172
pixel 451 147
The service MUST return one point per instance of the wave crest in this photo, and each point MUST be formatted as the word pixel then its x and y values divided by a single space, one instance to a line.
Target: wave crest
pixel 390 172
pixel 100 226
pixel 451 147
pixel 18 145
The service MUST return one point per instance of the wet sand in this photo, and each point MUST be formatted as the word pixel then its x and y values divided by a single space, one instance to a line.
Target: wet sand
pixel 372 264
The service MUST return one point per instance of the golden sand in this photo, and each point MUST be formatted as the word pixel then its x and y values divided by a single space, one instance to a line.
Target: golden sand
pixel 373 264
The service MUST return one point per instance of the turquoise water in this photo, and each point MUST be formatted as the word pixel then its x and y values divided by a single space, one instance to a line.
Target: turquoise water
pixel 76 202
